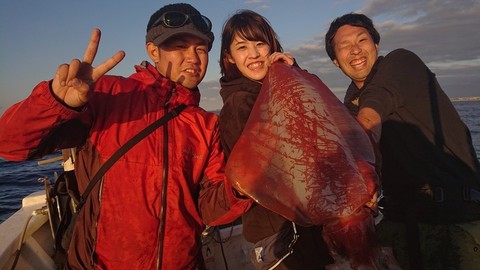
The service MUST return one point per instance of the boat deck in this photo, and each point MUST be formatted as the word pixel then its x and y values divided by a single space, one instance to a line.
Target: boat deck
pixel 37 250
pixel 38 246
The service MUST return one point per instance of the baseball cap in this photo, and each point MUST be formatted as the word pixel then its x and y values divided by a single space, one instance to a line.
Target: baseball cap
pixel 175 19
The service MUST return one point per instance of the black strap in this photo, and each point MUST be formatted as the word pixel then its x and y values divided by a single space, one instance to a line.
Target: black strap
pixel 127 146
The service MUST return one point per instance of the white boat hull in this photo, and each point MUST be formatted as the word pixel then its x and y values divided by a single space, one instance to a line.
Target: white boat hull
pixel 37 250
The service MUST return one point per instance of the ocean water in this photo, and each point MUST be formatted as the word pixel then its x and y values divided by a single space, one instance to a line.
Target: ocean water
pixel 18 179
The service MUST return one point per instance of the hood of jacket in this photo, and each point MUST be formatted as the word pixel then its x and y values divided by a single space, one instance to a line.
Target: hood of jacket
pixel 175 93
pixel 239 96
pixel 241 84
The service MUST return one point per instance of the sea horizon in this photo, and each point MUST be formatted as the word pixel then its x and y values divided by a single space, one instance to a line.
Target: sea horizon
pixel 18 179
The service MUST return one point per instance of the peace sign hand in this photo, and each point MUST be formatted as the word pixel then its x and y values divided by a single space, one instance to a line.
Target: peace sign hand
pixel 73 82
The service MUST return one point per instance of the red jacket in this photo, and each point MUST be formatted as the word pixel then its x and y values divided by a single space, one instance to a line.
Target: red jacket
pixel 118 227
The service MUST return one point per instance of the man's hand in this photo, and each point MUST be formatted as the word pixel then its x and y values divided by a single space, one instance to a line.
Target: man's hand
pixel 73 82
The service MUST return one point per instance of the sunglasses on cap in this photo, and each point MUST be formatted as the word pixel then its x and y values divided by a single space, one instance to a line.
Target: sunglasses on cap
pixel 175 19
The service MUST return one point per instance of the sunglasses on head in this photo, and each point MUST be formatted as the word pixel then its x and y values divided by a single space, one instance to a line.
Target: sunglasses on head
pixel 174 19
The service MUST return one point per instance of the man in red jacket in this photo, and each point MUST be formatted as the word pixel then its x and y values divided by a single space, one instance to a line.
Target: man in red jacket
pixel 148 212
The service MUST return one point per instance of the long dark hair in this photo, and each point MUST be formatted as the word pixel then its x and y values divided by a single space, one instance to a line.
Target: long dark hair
pixel 250 26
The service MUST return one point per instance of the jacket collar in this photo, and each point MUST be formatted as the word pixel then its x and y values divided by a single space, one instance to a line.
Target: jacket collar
pixel 175 93
pixel 352 96
pixel 239 84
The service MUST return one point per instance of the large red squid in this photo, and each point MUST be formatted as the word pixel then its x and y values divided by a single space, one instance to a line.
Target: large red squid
pixel 303 156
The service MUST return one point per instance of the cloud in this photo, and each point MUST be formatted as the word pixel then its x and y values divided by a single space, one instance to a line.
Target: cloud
pixel 210 95
pixel 456 65
pixel 442 33
pixel 260 4
pixel 254 1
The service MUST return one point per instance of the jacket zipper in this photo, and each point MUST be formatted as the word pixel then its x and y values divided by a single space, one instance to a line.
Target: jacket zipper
pixel 163 207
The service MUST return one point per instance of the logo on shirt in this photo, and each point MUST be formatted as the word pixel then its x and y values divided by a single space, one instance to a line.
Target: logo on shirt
pixel 192 154
pixel 355 101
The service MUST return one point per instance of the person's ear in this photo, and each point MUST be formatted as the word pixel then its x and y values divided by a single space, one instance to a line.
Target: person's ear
pixel 153 52
pixel 230 58
pixel 335 62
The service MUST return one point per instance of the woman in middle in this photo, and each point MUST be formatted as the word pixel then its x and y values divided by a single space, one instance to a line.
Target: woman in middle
pixel 249 46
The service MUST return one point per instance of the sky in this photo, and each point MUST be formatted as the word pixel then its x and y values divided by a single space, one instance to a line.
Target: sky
pixel 37 36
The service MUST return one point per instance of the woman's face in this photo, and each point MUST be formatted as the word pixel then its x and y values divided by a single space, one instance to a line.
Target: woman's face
pixel 250 57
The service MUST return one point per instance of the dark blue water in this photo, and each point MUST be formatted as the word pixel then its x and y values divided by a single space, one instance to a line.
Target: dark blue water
pixel 18 179
pixel 470 113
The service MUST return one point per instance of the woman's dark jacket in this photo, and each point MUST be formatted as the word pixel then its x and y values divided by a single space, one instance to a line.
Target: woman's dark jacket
pixel 310 252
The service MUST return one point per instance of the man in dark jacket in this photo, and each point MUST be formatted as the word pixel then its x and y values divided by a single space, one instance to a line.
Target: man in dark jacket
pixel 149 210
pixel 430 172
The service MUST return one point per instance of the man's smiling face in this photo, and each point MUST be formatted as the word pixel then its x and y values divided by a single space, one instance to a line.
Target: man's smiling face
pixel 355 52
